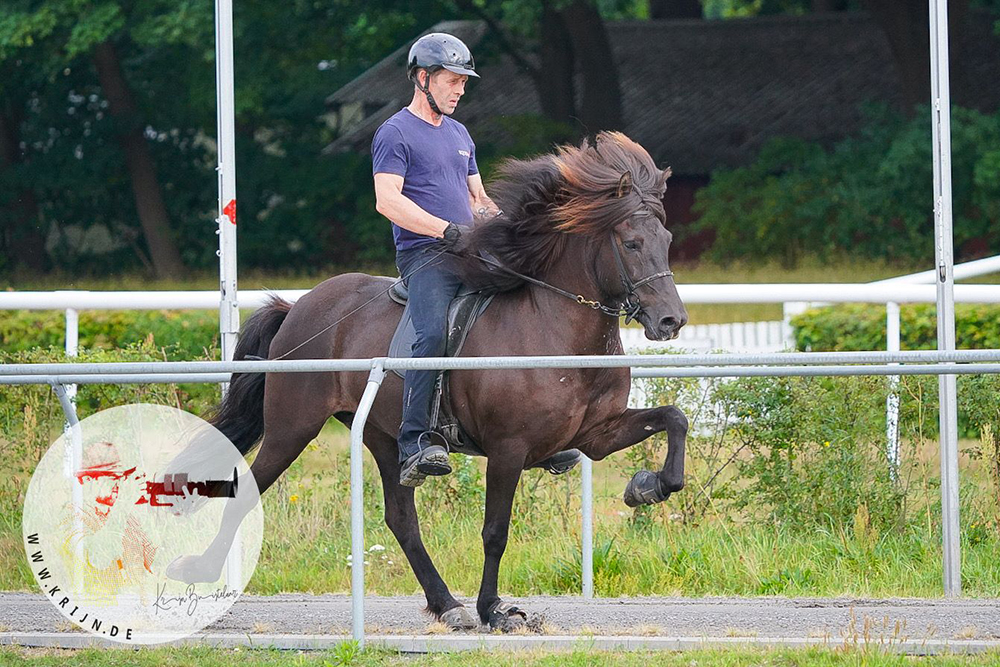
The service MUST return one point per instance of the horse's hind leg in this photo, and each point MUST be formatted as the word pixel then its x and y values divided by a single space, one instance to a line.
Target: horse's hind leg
pixel 634 426
pixel 401 517
pixel 284 440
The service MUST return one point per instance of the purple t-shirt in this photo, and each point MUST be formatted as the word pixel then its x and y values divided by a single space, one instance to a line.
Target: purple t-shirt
pixel 435 163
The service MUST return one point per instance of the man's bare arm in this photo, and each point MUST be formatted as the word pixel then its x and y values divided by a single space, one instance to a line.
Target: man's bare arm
pixel 393 204
pixel 481 204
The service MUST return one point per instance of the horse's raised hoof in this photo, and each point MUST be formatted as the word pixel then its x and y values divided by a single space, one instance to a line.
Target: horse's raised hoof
pixel 460 618
pixel 644 489
pixel 505 617
pixel 193 570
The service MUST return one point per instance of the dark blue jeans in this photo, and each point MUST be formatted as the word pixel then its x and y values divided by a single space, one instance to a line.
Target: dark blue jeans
pixel 432 289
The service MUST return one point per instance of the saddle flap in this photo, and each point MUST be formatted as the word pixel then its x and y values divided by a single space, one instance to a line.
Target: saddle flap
pixel 462 314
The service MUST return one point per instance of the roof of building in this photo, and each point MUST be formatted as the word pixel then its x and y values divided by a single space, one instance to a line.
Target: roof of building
pixel 697 94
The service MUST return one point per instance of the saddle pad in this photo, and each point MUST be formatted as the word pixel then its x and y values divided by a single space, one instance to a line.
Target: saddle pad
pixel 462 314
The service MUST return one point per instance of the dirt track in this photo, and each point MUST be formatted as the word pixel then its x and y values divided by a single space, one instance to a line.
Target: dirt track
pixel 837 619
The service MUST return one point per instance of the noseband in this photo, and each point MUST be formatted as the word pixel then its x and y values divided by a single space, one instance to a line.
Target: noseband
pixel 630 306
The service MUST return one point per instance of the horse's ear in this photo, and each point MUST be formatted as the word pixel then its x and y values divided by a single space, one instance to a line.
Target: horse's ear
pixel 665 174
pixel 624 184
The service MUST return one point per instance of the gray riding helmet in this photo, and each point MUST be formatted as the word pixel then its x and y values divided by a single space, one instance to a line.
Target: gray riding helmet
pixel 440 50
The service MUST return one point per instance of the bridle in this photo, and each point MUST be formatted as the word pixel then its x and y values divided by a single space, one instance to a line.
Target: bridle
pixel 630 306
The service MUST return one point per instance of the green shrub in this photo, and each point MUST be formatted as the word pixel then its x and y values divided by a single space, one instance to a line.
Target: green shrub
pixel 31 417
pixel 29 412
pixel 810 452
pixel 862 327
pixel 178 334
pixel 868 195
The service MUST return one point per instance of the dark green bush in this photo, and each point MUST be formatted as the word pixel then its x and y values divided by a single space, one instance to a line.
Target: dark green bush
pixel 868 195
pixel 862 327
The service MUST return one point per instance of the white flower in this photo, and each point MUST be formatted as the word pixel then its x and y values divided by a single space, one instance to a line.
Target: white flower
pixel 375 548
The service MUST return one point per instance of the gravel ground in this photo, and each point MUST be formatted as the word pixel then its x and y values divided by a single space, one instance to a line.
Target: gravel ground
pixel 839 618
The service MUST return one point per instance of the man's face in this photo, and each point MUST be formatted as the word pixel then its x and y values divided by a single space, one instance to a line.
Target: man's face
pixel 447 88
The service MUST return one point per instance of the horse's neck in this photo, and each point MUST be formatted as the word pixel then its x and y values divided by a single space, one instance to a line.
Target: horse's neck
pixel 579 328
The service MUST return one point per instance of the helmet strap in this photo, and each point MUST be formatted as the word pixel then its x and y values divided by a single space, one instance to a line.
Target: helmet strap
pixel 426 90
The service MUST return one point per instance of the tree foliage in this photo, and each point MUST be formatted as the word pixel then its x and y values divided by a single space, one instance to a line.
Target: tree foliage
pixel 868 196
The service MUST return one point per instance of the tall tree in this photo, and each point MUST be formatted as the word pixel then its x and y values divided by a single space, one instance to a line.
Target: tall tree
pixel 906 26
pixel 23 236
pixel 569 37
pixel 141 167
pixel 601 105
pixel 70 35
pixel 675 9
pixel 828 5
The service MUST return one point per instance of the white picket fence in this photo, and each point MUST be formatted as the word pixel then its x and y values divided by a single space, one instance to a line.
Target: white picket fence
pixel 731 337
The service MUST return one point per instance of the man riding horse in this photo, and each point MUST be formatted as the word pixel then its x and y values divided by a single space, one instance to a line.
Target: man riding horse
pixel 427 183
pixel 582 242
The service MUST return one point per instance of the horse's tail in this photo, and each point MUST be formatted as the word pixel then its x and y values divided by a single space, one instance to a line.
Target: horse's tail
pixel 240 416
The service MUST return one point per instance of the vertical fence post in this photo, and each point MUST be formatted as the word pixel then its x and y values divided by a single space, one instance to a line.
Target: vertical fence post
pixel 72 344
pixel 72 462
pixel 357 499
pixel 229 313
pixel 74 455
pixel 892 399
pixel 790 309
pixel 587 532
pixel 945 279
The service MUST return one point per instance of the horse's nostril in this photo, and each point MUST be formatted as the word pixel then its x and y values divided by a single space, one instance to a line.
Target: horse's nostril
pixel 668 324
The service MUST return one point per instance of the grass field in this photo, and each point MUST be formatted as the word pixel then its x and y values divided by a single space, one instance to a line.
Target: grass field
pixel 307 540
pixel 348 655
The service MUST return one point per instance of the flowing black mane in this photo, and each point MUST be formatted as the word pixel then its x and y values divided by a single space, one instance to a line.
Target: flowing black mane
pixel 586 190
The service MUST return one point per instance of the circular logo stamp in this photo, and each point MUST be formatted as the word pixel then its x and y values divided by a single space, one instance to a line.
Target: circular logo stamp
pixel 142 524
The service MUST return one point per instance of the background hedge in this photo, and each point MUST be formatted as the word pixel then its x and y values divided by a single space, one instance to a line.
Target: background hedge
pixel 862 327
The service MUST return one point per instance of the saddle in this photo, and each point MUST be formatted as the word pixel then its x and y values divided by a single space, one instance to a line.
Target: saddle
pixel 465 308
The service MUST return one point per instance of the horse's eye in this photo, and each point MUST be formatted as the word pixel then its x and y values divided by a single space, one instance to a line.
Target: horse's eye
pixel 631 245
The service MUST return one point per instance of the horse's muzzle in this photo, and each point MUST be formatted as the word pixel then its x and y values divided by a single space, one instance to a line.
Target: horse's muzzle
pixel 667 328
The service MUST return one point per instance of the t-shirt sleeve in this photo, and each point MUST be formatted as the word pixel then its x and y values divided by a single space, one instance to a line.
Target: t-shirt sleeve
pixel 389 152
pixel 473 167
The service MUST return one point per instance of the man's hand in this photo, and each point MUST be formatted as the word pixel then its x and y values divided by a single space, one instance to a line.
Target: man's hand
pixel 452 234
pixel 456 239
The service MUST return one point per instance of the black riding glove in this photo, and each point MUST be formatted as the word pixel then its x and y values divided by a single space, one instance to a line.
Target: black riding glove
pixel 452 235
pixel 456 239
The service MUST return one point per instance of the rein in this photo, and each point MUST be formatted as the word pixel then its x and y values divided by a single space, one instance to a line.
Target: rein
pixel 630 307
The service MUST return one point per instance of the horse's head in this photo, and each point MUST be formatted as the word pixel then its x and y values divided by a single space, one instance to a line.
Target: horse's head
pixel 613 192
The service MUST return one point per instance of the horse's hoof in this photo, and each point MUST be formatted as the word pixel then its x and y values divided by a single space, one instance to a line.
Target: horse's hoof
pixel 193 570
pixel 505 617
pixel 644 489
pixel 460 618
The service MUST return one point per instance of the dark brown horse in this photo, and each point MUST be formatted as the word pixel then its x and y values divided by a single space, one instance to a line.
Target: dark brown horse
pixel 588 221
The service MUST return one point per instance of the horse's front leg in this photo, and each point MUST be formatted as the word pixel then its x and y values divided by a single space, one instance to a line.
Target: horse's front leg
pixel 632 427
pixel 502 476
